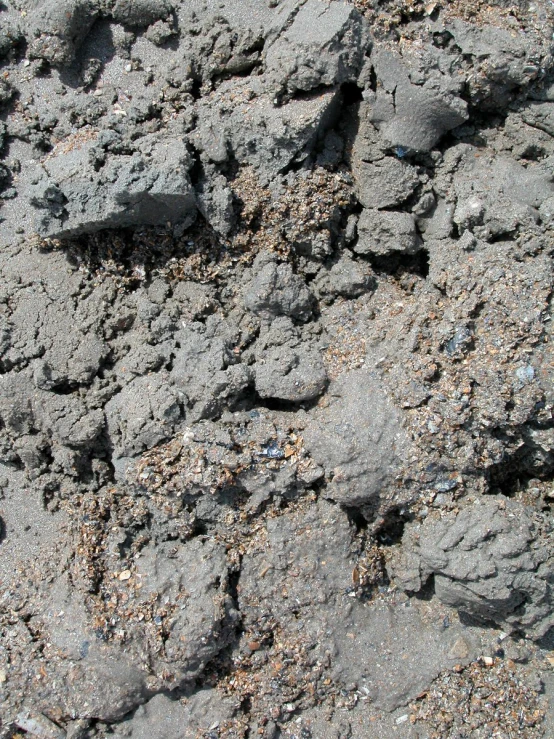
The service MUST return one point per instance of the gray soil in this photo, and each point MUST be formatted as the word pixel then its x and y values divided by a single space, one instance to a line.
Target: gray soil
pixel 276 369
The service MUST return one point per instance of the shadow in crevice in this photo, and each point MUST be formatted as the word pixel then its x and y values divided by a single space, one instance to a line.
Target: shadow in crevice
pixel 398 264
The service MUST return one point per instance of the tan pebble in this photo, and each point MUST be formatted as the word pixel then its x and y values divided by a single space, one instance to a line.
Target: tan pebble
pixel 125 575
pixel 3 676
pixel 254 645
pixel 488 661
pixel 550 658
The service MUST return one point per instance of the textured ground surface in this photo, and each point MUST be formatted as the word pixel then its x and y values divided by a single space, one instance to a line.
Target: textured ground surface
pixel 276 370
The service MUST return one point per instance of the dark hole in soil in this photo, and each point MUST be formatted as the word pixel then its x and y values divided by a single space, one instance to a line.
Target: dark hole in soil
pixel 392 529
pixel 356 518
pixel 398 264
pixel 428 590
pixel 351 93
pixel 195 89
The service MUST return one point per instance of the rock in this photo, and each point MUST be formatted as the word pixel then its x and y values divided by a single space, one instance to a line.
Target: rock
pixel 386 183
pixel 215 202
pixel 486 561
pixel 415 652
pixel 285 368
pixel 150 187
pixel 502 61
pixel 103 687
pixel 359 440
pixel 57 29
pixel 142 415
pixel 496 196
pixel 276 291
pixel 206 369
pixel 257 132
pixel 140 13
pixel 412 117
pixel 323 47
pixel 383 232
pixel 540 115
pixel 39 726
pixel 372 646
pixel 345 277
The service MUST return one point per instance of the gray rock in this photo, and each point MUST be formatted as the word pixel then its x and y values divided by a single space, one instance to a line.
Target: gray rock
pixel 207 370
pixel 258 133
pixel 56 29
pixel 383 232
pixel 39 726
pixel 323 47
pixel 286 368
pixel 412 117
pixel 359 440
pixel 150 187
pixel 387 651
pixel 540 115
pixel 386 183
pixel 502 62
pixel 497 195
pixel 142 415
pixel 104 687
pixel 215 202
pixel 140 13
pixel 345 277
pixel 276 291
pixel 487 561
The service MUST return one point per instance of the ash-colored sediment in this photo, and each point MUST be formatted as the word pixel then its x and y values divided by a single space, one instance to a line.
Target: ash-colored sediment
pixel 276 368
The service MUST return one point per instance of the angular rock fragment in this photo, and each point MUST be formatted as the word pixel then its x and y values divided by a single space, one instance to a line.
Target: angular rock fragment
pixel 256 132
pixel 163 718
pixel 383 232
pixel 386 183
pixel 488 560
pixel 206 369
pixel 58 27
pixel 345 277
pixel 322 48
pixel 189 582
pixel 104 687
pixel 140 13
pixel 495 196
pixel 150 187
pixel 317 547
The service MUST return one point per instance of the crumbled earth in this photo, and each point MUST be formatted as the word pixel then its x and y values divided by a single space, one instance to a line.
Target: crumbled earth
pixel 276 369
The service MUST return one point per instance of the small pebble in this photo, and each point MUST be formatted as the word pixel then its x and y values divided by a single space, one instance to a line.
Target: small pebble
pixel 125 575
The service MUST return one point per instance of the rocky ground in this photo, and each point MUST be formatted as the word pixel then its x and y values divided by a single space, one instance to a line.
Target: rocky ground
pixel 276 370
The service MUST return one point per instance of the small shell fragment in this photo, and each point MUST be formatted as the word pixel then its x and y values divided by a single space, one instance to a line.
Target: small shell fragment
pixel 125 575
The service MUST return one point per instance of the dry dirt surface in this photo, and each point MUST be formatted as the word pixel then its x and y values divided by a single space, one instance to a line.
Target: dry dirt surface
pixel 276 369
